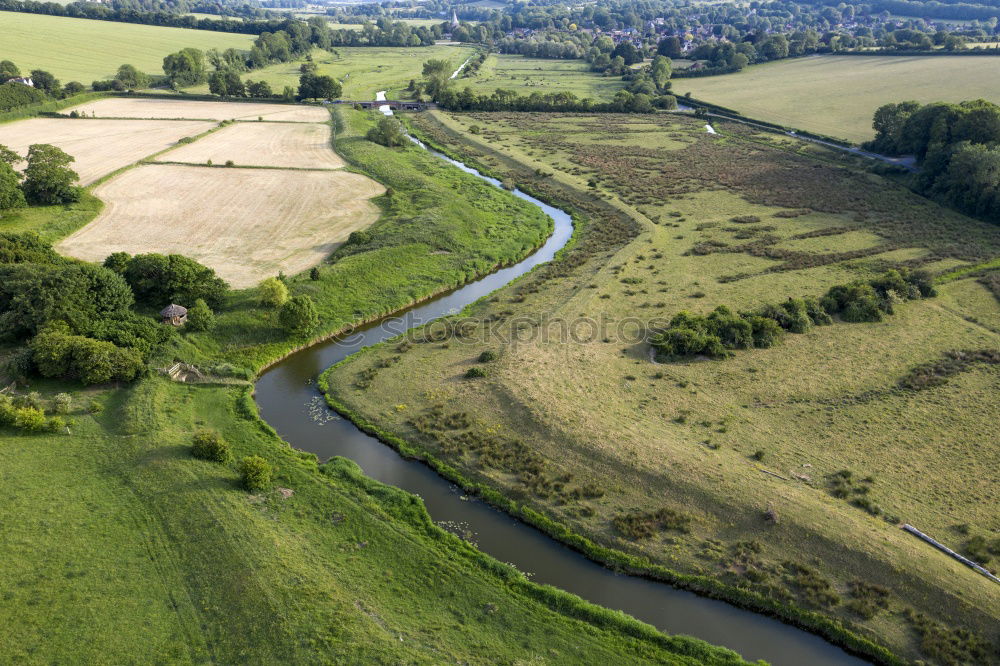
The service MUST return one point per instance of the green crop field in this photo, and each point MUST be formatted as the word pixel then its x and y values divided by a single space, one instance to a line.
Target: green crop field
pixel 742 453
pixel 362 70
pixel 543 75
pixel 89 50
pixel 837 95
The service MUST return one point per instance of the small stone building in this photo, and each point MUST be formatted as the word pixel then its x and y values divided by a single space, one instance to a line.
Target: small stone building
pixel 175 315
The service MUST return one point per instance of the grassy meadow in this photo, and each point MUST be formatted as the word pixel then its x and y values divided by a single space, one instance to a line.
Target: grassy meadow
pixel 123 548
pixel 543 75
pixel 837 95
pixel 362 70
pixel 743 455
pixel 85 50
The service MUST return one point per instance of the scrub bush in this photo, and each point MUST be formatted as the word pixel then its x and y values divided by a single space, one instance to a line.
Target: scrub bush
pixel 255 473
pixel 209 445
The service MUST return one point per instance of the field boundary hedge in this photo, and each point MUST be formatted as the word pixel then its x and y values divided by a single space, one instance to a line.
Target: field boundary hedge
pixel 49 107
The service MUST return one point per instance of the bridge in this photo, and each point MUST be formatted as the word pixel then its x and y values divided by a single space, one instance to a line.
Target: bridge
pixel 395 105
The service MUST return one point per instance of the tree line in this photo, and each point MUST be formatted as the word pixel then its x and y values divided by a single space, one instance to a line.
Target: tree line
pixel 720 332
pixel 956 145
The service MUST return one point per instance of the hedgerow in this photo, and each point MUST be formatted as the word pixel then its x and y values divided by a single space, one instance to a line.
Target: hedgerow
pixel 723 330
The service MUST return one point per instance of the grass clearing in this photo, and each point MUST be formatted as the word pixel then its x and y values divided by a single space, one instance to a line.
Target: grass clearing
pixel 696 435
pixel 99 147
pixel 247 224
pixel 837 95
pixel 299 145
pixel 140 107
pixel 542 75
pixel 85 50
pixel 362 70
pixel 122 547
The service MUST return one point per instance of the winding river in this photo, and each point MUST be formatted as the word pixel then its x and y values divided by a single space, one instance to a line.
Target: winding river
pixel 290 401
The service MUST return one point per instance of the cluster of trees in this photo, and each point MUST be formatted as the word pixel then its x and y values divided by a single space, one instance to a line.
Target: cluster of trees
pixel 157 279
pixel 723 330
pixel 317 86
pixel 15 95
pixel 127 79
pixel 957 145
pixel 46 179
pixel 387 132
pixel 78 316
pixel 79 319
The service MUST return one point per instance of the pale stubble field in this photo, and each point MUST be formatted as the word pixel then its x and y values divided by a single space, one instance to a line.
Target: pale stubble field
pixel 247 224
pixel 99 147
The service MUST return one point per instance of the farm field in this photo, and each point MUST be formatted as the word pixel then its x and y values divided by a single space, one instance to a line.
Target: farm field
pixel 89 50
pixel 298 145
pixel 837 95
pixel 363 71
pixel 99 146
pixel 543 75
pixel 737 219
pixel 135 107
pixel 247 224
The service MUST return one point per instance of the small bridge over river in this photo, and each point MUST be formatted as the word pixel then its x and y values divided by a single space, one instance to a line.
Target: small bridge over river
pixel 395 105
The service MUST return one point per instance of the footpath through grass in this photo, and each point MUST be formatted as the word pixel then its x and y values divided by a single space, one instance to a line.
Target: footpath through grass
pixel 120 547
pixel 777 477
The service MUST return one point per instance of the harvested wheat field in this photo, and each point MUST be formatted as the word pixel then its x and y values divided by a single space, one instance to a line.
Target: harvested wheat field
pixel 303 145
pixel 131 107
pixel 247 224
pixel 99 146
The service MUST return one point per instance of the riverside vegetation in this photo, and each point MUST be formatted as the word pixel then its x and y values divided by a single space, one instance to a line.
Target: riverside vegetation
pixel 780 473
pixel 187 531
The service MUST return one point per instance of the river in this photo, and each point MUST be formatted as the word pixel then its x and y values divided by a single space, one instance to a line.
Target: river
pixel 290 401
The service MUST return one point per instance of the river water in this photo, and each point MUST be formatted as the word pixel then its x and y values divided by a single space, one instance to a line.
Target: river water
pixel 290 401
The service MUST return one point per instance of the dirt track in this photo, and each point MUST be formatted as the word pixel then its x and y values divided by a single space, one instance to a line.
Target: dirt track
pixel 247 224
pixel 99 146
pixel 129 107
pixel 263 144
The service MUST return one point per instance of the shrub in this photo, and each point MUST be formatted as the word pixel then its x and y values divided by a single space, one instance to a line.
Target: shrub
pixel 273 292
pixel 488 356
pixel 299 316
pixel 161 279
pixel 766 331
pixel 475 372
pixel 29 418
pixel 200 317
pixel 209 445
pixel 255 473
pixel 62 403
pixel 314 273
pixel 58 354
pixel 55 424
pixel 7 411
pixel 48 180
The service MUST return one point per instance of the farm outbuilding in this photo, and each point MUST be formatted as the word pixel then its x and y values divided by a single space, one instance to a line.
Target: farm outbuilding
pixel 175 315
